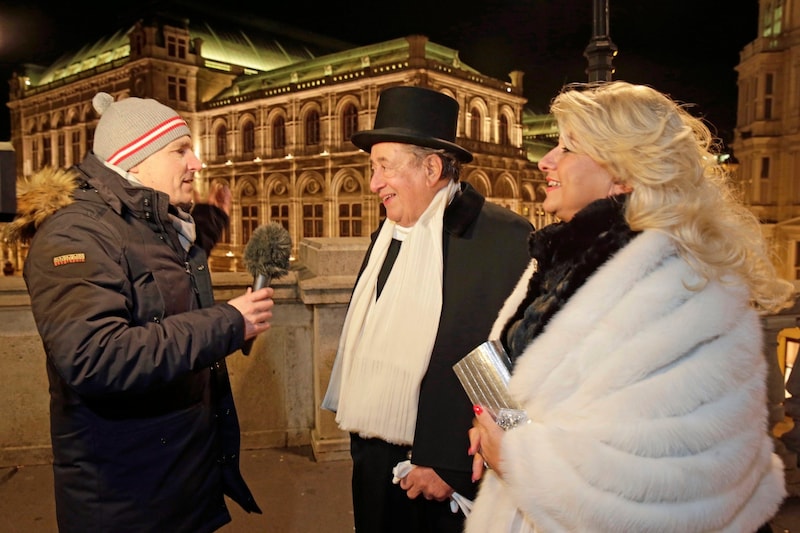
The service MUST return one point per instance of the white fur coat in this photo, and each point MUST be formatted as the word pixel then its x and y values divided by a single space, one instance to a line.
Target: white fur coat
pixel 648 409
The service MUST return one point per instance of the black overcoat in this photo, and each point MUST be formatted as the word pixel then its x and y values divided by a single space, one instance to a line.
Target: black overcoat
pixel 485 251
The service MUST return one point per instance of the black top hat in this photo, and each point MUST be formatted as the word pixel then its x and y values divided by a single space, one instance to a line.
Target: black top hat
pixel 413 115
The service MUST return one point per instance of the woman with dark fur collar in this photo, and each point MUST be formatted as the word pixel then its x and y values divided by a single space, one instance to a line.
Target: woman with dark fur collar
pixel 635 337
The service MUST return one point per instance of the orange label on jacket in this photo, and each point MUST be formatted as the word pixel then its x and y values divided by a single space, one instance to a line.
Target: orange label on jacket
pixel 69 258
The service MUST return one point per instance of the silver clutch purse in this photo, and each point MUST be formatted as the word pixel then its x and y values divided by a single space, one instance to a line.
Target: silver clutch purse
pixel 484 373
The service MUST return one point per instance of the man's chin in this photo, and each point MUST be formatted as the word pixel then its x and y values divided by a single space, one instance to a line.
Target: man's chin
pixel 184 202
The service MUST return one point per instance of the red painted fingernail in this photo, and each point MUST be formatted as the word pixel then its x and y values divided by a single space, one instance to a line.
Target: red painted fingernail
pixel 477 409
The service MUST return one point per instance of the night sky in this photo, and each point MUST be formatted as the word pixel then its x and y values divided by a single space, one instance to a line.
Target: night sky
pixel 686 48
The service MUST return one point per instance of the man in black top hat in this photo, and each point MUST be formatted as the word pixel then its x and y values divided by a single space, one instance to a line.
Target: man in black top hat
pixel 434 277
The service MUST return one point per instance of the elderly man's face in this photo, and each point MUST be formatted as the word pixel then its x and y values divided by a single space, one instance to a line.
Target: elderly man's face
pixel 404 183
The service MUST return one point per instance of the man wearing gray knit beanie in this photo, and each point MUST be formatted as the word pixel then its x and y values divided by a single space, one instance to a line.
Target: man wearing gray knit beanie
pixel 144 430
pixel 132 129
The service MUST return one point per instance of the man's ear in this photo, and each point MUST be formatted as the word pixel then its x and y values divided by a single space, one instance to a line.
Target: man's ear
pixel 433 169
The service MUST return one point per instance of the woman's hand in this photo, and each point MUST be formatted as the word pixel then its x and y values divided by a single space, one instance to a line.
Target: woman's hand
pixel 485 438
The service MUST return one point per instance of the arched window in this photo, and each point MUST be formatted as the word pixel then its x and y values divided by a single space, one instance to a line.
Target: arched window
pixel 61 154
pixel 502 131
pixel 312 209
pixel 249 207
pixel 503 189
pixel 35 153
pixel 248 138
pixel 349 121
pixel 90 137
pixel 350 219
pixel 249 220
pixel 77 153
pixel 279 133
pixel 480 186
pixel 280 213
pixel 312 128
pixel 350 209
pixel 475 124
pixel 222 141
pixel 47 147
pixel 136 44
pixel 279 205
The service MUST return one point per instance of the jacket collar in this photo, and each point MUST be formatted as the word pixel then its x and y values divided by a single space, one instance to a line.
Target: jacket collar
pixel 463 210
pixel 120 194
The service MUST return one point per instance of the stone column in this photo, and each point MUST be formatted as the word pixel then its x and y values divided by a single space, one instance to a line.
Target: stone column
pixel 325 283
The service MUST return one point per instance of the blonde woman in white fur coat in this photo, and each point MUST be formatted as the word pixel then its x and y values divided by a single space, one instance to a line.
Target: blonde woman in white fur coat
pixel 635 338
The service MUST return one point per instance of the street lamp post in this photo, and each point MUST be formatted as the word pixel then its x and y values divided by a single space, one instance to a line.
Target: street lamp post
pixel 601 50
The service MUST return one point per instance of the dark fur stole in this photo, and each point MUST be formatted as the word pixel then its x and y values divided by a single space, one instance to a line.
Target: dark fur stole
pixel 567 253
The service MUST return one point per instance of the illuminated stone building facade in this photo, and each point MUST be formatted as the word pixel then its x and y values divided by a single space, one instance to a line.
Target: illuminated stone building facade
pixel 272 110
pixel 767 152
pixel 767 135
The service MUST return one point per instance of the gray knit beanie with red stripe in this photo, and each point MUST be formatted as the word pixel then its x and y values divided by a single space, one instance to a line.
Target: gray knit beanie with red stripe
pixel 132 129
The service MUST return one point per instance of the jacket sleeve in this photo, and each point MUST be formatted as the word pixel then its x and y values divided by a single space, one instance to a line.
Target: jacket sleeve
pixel 210 222
pixel 83 297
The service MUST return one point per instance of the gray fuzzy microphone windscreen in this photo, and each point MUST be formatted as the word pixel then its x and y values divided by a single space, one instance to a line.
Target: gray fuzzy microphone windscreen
pixel 267 253
pixel 266 256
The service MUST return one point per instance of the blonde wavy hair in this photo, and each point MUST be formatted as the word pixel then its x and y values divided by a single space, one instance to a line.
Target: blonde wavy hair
pixel 668 157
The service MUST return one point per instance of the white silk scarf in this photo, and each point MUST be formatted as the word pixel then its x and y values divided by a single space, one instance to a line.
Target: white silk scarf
pixel 386 343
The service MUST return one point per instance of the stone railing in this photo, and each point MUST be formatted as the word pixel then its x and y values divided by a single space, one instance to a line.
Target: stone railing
pixel 278 387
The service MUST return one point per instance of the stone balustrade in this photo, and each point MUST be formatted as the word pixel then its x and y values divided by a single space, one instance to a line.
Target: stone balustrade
pixel 280 385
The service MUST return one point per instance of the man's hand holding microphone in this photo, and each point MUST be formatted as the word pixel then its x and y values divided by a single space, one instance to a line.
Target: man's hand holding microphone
pixel 256 308
pixel 266 257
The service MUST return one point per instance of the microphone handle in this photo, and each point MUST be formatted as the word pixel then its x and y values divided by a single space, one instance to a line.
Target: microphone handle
pixel 259 282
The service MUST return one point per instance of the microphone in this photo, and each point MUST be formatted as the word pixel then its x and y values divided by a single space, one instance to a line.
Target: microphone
pixel 266 256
